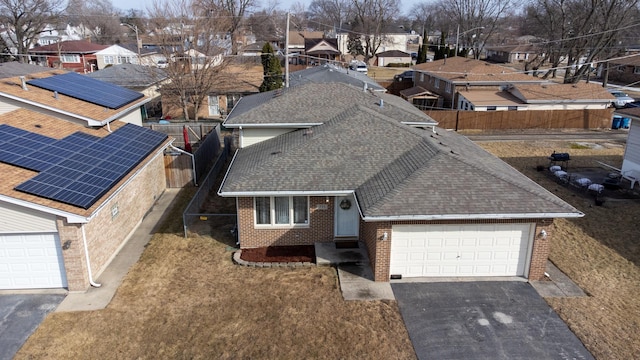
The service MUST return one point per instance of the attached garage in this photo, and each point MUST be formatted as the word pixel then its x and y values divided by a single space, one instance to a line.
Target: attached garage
pixel 463 250
pixel 31 261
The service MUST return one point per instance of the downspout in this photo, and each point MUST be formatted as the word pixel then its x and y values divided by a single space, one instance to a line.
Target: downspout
pixel 86 254
pixel 193 161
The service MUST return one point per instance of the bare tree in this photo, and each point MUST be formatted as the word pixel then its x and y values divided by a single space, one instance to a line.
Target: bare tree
pixel 234 12
pixel 329 14
pixel 25 20
pixel 474 21
pixel 99 17
pixel 372 17
pixel 580 32
pixel 191 38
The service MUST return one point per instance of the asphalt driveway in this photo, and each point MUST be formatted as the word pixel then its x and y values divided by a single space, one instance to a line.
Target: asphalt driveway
pixel 20 316
pixel 484 320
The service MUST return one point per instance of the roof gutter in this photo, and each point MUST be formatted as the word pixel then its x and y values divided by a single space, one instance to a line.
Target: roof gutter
pixel 472 217
pixel 71 218
pixel 284 193
pixel 116 116
pixel 415 123
pixel 281 125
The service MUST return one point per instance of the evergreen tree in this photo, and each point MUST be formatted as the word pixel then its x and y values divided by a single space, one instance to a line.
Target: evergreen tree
pixel 422 52
pixel 354 44
pixel 272 70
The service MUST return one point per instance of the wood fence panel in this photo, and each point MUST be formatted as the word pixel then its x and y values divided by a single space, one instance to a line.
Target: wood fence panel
pixel 533 119
pixel 178 170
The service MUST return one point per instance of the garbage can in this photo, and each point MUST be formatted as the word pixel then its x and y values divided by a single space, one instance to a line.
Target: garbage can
pixel 625 123
pixel 616 122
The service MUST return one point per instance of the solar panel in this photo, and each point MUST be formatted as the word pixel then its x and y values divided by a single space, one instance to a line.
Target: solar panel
pixel 88 89
pixel 90 166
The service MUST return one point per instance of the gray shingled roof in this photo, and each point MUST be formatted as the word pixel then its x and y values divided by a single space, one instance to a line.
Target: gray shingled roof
pixel 395 171
pixel 131 76
pixel 315 103
pixel 330 73
pixel 14 68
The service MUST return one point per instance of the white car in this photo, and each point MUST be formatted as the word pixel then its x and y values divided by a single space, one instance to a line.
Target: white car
pixel 622 99
pixel 358 66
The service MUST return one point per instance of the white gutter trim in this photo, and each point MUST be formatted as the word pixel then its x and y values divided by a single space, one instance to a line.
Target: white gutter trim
pixel 118 115
pixel 287 193
pixel 227 173
pixel 193 162
pixel 86 254
pixel 415 123
pixel 159 152
pixel 279 125
pixel 71 218
pixel 473 216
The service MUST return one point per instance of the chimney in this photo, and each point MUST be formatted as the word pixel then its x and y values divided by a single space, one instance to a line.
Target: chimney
pixel 24 83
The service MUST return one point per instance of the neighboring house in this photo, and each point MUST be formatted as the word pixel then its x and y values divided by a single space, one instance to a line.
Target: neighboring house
pixel 513 53
pixel 329 73
pixel 71 196
pixel 72 97
pixel 625 70
pixel 149 56
pixel 297 44
pixel 405 42
pixel 447 77
pixel 56 33
pixel 422 200
pixel 321 51
pixel 393 57
pixel 631 161
pixel 551 96
pixel 115 55
pixel 74 55
pixel 144 79
pixel 252 126
pixel 231 84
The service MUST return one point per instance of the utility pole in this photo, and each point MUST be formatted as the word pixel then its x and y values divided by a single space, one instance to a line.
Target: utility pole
pixel 286 54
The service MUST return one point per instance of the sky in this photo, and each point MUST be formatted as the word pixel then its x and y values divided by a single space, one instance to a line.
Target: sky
pixel 284 4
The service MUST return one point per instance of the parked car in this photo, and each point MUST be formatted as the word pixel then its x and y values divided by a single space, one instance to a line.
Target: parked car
pixel 407 75
pixel 622 98
pixel 358 66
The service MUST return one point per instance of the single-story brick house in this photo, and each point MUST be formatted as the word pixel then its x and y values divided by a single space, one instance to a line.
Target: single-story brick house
pixel 422 200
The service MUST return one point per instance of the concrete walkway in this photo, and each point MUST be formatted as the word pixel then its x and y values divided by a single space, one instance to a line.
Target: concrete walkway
pixel 111 277
pixel 354 272
pixel 560 285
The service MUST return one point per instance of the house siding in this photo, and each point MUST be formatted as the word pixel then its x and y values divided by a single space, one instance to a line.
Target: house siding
pixel 631 160
pixel 106 233
pixel 17 219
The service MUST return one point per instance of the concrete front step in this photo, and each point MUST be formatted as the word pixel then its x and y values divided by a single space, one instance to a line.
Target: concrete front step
pixel 327 254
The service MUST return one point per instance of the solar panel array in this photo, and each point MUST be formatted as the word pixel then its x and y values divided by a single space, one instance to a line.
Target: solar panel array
pixel 88 89
pixel 80 168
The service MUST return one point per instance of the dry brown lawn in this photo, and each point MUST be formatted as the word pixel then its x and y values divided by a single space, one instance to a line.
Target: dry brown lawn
pixel 185 298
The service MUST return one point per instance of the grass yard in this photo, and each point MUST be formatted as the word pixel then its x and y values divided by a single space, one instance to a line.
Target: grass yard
pixel 185 299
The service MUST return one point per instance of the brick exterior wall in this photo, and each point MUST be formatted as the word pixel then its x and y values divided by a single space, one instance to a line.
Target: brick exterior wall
pixel 320 226
pixel 106 234
pixel 371 234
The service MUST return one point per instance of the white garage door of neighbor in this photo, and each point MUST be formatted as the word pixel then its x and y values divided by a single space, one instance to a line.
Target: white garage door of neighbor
pixel 460 250
pixel 31 261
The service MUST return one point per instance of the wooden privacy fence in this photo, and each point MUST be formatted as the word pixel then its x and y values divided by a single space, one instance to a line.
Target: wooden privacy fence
pixel 525 119
pixel 178 167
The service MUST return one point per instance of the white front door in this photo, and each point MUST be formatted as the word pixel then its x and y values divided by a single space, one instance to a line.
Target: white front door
pixel 214 106
pixel 31 261
pixel 347 218
pixel 460 250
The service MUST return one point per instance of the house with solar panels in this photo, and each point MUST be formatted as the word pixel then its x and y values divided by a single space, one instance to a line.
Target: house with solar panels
pixel 77 177
pixel 72 97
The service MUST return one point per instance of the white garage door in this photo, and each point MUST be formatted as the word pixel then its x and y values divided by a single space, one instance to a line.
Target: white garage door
pixel 460 250
pixel 31 261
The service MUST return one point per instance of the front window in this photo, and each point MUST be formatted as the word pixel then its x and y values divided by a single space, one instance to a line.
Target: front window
pixel 436 83
pixel 124 60
pixel 70 58
pixel 108 59
pixel 281 211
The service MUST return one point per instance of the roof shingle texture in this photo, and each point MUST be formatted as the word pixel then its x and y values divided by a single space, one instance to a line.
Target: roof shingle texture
pixel 314 103
pixel 394 169
pixel 463 70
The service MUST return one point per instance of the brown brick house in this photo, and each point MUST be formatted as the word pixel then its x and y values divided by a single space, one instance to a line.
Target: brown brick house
pixel 338 162
pixel 77 179
pixel 74 55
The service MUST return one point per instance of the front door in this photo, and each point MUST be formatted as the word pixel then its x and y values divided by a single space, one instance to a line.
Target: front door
pixel 347 218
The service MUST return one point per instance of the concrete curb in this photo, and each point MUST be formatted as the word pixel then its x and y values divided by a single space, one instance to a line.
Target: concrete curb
pixel 238 261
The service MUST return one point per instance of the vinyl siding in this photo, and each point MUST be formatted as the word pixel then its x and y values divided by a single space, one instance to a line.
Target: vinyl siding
pixel 18 219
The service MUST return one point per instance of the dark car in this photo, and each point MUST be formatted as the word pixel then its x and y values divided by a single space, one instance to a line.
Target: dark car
pixel 407 75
